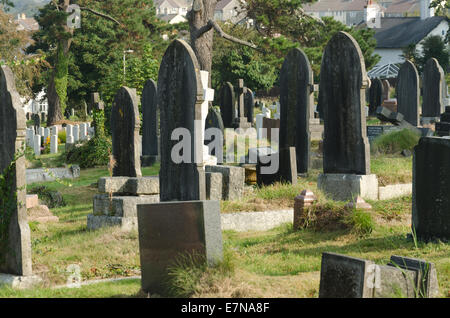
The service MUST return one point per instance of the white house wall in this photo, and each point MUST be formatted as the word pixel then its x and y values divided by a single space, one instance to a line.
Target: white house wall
pixel 440 30
pixel 389 56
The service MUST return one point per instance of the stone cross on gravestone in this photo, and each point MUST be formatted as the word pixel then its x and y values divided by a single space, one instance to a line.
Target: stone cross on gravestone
pixel 241 121
pixel 180 98
pixel 208 96
pixel 408 93
pixel 125 126
pixel 15 242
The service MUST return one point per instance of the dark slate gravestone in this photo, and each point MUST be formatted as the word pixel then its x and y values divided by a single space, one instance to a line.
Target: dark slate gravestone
pixel 179 101
pixel 149 124
pixel 36 122
pixel 125 126
pixel 375 95
pixel 170 230
pixel 433 76
pixel 386 90
pixel 342 95
pixel 408 93
pixel 227 104
pixel 287 167
pixel 249 105
pixel 296 88
pixel 15 242
pixel 443 127
pixel 268 125
pixel 431 189
pixel 241 121
pixel 214 120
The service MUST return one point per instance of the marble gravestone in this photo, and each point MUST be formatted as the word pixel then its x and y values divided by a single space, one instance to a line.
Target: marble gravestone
pixel 15 241
pixel 408 93
pixel 180 98
pixel 150 148
pixel 375 95
pixel 433 77
pixel 227 104
pixel 125 125
pixel 346 150
pixel 296 87
pixel 431 189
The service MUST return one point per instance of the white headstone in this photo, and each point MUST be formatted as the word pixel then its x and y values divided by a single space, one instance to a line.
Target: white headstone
pixel 76 133
pixel 54 144
pixel 37 145
pixel 208 96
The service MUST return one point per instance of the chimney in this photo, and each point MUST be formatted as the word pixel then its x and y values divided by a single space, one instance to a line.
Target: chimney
pixel 425 10
pixel 372 14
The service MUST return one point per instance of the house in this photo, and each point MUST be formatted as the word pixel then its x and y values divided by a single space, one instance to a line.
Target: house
pixel 403 8
pixel 172 18
pixel 177 7
pixel 26 24
pixel 229 10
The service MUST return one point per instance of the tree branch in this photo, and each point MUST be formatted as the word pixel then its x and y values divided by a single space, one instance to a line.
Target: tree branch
pixel 105 16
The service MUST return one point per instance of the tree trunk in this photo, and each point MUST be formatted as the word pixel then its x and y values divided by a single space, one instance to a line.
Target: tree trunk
pixel 202 11
pixel 57 86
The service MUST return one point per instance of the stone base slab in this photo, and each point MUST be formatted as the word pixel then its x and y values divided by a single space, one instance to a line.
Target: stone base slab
pixel 345 187
pixel 255 221
pixel 19 282
pixel 429 120
pixel 121 206
pixel 95 222
pixel 132 186
pixel 394 191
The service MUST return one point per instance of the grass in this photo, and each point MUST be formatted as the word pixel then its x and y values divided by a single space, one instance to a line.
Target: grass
pixel 396 141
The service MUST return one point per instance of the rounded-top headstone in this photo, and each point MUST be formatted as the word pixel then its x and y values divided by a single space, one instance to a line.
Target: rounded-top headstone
pixel 227 104
pixel 296 80
pixel 375 95
pixel 180 98
pixel 433 77
pixel 125 126
pixel 408 93
pixel 149 119
pixel 343 81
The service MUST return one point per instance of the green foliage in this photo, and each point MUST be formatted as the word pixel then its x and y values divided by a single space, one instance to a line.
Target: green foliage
pixel 395 142
pixel 99 122
pixel 361 222
pixel 62 137
pixel 52 199
pixel 92 153
pixel 432 46
pixel 61 77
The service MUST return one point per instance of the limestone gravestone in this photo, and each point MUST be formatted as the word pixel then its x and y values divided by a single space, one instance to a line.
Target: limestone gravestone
pixel 431 170
pixel 433 77
pixel 346 150
pixel 179 101
pixel 296 87
pixel 227 104
pixel 375 95
pixel 408 93
pixel 15 242
pixel 149 124
pixel 125 125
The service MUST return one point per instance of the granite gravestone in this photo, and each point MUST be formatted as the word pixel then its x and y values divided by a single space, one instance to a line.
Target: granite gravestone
pixel 227 104
pixel 443 127
pixel 296 87
pixel 431 189
pixel 15 242
pixel 249 105
pixel 433 76
pixel 408 93
pixel 342 99
pixel 180 97
pixel 375 95
pixel 125 125
pixel 149 124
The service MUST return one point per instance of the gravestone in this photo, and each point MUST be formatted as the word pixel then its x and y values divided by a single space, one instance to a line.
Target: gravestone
pixel 125 125
pixel 241 121
pixel 386 90
pixel 36 122
pixel 443 127
pixel 15 242
pixel 431 189
pixel 96 103
pixel 249 105
pixel 433 77
pixel 375 96
pixel 408 93
pixel 214 120
pixel 149 124
pixel 227 104
pixel 270 127
pixel 180 100
pixel 296 88
pixel 346 150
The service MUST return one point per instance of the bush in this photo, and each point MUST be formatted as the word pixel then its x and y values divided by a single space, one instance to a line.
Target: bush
pixel 52 199
pixel 92 153
pixel 361 222
pixel 62 137
pixel 396 141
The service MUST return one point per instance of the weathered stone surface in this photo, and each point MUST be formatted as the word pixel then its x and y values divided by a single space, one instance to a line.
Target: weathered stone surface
pixel 19 282
pixel 131 186
pixel 180 98
pixel 408 93
pixel 149 120
pixel 433 77
pixel 168 230
pixel 296 89
pixel 227 104
pixel 344 277
pixel 41 175
pixel 386 90
pixel 394 191
pixel 41 214
pixel 431 189
pixel 125 125
pixel 233 179
pixel 375 95
pixel 249 105
pixel 214 186
pixel 32 200
pixel 301 205
pixel 214 120
pixel 255 221
pixel 95 222
pixel 344 187
pixel 287 167
pixel 271 129
pixel 241 121
pixel 15 246
pixel 121 206
pixel 343 80
pixel 358 203
pixel 391 282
